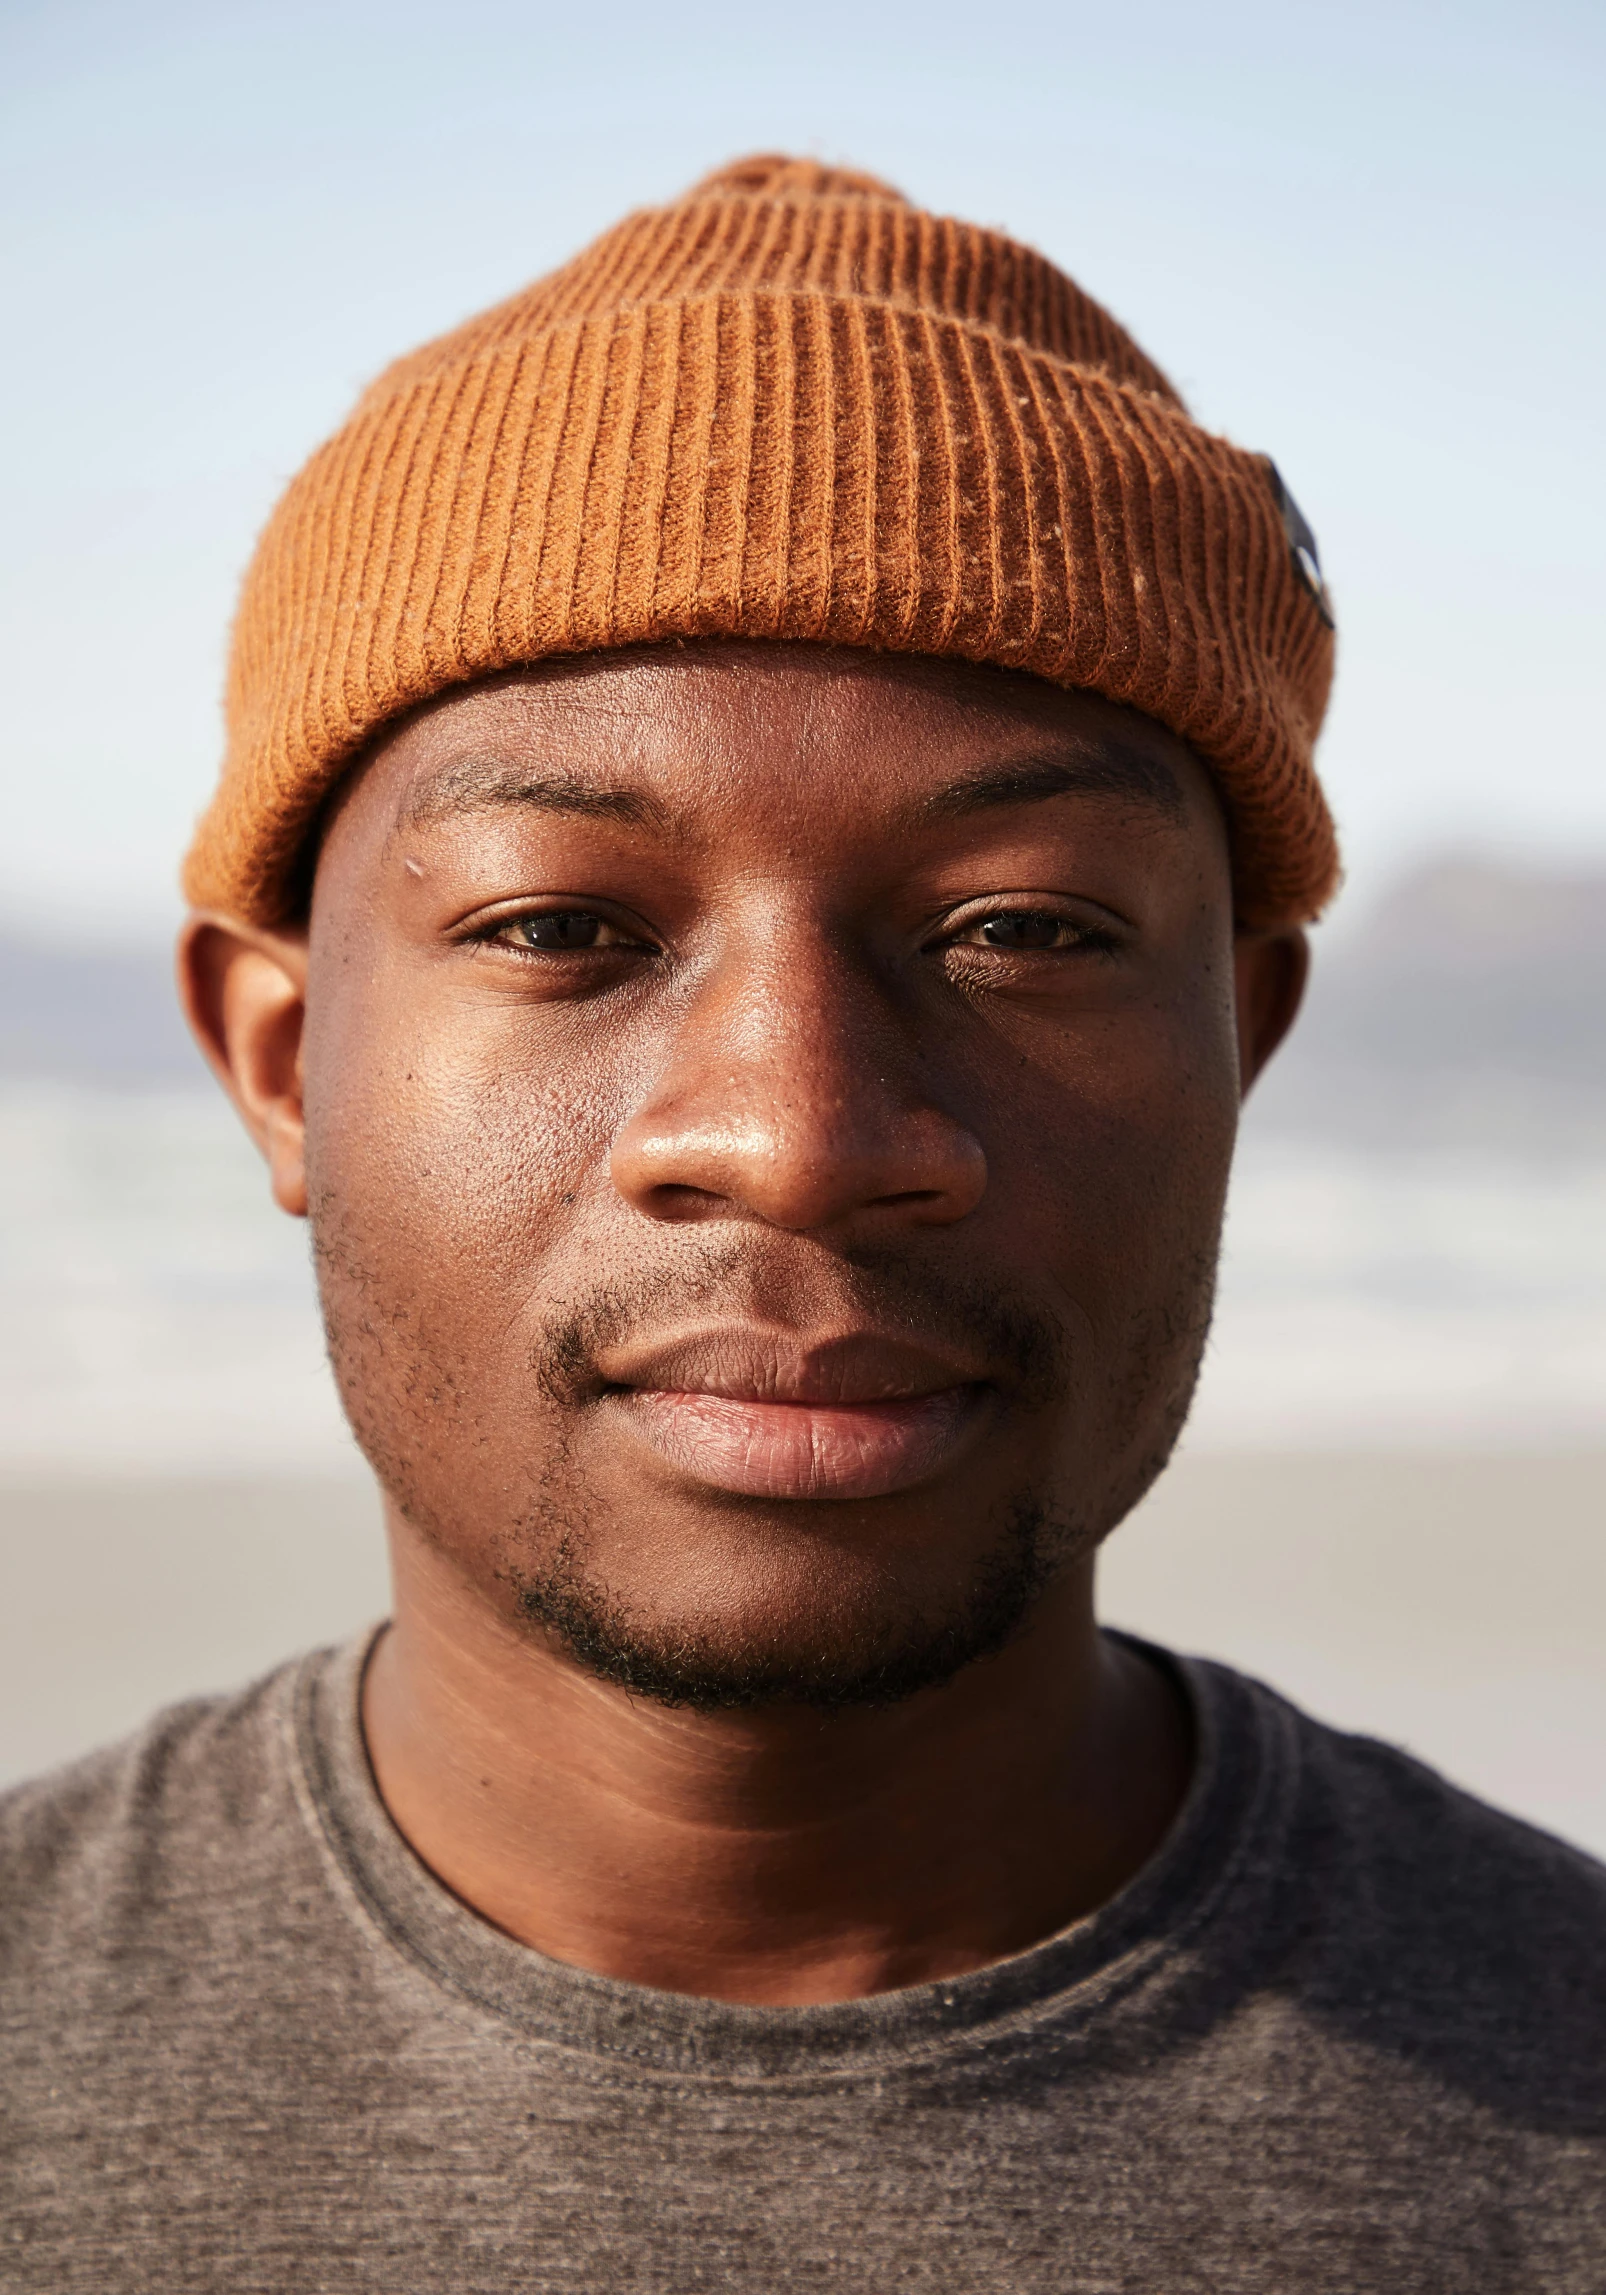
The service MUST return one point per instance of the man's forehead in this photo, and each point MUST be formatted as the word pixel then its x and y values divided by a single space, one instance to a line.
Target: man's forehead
pixel 636 738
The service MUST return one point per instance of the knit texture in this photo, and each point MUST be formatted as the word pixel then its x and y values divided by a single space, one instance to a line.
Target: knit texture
pixel 789 405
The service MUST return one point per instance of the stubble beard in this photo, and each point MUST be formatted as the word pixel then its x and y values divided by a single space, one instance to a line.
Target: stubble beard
pixel 873 1648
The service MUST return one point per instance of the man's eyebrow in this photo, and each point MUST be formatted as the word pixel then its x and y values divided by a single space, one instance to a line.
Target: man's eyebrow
pixel 478 785
pixel 1124 773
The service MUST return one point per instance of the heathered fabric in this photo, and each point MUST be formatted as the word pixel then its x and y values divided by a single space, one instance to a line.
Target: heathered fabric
pixel 788 405
pixel 1346 2032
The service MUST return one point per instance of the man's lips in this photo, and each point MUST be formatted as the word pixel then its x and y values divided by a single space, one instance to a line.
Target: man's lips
pixel 801 1449
pixel 769 1414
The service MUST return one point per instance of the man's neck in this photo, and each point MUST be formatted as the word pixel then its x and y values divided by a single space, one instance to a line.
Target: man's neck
pixel 782 1855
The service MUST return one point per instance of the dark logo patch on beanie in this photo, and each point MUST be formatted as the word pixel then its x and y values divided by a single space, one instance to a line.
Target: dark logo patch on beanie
pixel 1301 542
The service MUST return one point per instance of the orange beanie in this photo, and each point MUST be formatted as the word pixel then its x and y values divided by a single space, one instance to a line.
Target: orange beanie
pixel 790 405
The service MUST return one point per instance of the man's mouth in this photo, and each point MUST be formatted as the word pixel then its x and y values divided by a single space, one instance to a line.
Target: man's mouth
pixel 763 1415
pixel 804 1450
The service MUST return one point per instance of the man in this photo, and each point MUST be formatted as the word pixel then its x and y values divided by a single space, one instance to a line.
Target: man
pixel 766 830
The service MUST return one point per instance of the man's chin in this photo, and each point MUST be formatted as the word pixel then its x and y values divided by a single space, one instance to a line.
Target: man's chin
pixel 869 1646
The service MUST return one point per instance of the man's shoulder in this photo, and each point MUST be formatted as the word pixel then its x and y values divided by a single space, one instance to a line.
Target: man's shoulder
pixel 1425 1922
pixel 1418 1845
pixel 187 1806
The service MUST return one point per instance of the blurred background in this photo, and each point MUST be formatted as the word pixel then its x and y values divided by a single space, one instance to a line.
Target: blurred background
pixel 1363 238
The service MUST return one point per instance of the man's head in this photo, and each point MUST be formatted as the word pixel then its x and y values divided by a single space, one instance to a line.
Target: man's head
pixel 767 1116
pixel 763 1068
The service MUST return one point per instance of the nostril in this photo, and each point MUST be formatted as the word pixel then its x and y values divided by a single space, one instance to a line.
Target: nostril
pixel 671 1199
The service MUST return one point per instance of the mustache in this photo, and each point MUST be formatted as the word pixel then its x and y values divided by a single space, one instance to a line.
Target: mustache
pixel 1023 1346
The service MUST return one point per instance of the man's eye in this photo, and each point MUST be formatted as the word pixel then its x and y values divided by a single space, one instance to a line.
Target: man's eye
pixel 561 930
pixel 1017 929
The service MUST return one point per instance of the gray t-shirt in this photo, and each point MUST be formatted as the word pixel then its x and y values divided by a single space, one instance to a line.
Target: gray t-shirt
pixel 1346 2031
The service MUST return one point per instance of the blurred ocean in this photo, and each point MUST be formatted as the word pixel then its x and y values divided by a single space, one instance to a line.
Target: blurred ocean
pixel 160 1315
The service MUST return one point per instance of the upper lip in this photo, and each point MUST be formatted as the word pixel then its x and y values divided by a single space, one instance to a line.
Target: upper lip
pixel 751 1362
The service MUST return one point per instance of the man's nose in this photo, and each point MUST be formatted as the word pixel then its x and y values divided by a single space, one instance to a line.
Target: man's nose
pixel 793 1093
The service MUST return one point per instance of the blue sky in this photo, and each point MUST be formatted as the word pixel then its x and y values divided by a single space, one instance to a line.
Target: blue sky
pixel 1364 238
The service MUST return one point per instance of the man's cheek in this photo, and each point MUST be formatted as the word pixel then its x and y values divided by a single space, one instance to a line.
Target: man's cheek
pixel 455 1147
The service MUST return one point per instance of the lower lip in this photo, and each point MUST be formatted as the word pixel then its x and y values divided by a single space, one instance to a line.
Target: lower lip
pixel 805 1450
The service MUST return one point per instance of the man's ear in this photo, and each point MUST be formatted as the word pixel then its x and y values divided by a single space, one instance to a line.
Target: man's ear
pixel 244 994
pixel 1270 970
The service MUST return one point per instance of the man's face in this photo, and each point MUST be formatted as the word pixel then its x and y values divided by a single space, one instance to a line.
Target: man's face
pixel 768 1119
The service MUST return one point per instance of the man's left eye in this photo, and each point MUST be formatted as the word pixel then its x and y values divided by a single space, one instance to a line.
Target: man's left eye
pixel 562 929
pixel 1018 929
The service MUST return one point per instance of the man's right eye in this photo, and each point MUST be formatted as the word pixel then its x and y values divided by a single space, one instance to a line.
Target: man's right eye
pixel 563 929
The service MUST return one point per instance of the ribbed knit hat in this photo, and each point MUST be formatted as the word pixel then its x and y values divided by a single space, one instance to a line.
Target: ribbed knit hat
pixel 790 405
